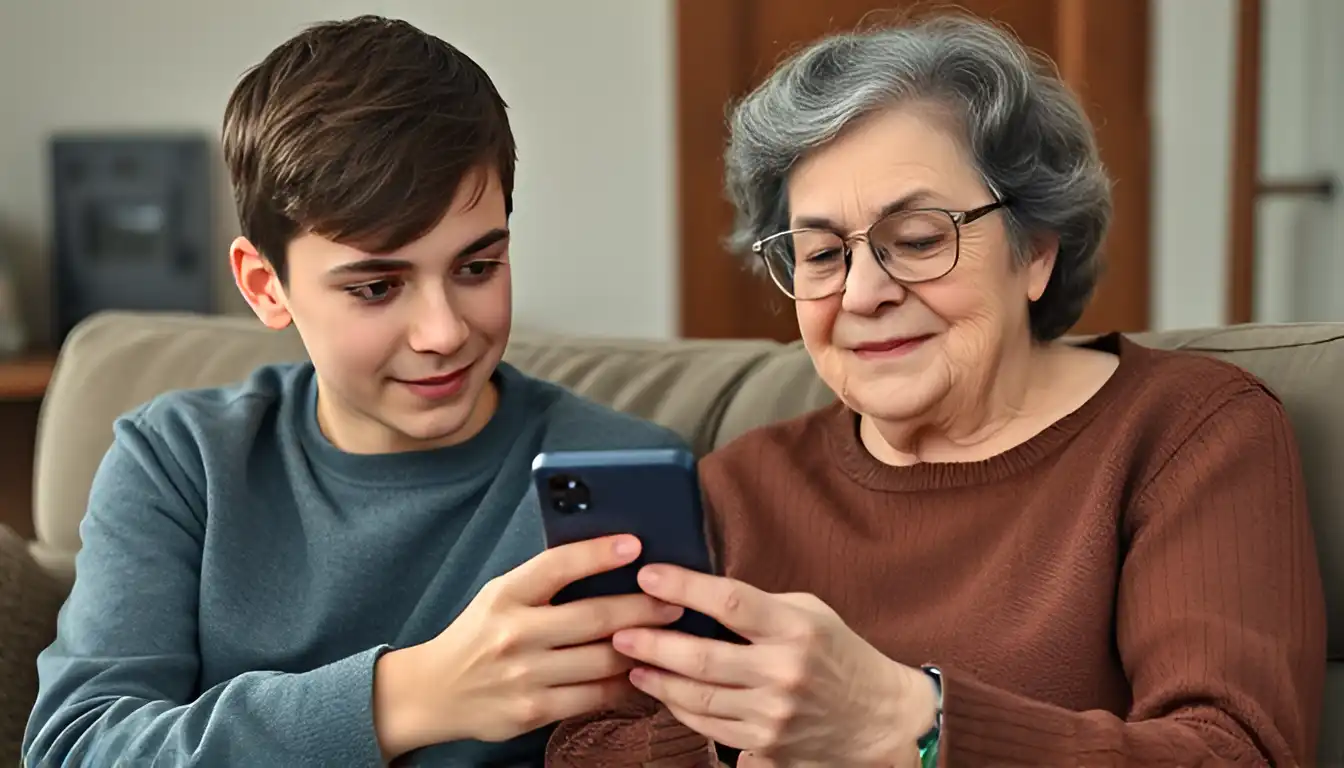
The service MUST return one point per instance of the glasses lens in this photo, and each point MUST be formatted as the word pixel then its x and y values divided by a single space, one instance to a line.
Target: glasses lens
pixel 807 263
pixel 916 245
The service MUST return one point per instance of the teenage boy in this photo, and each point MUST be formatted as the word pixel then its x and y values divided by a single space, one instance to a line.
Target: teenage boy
pixel 339 563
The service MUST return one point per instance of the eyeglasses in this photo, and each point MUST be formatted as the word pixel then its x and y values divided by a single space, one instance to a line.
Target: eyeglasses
pixel 913 246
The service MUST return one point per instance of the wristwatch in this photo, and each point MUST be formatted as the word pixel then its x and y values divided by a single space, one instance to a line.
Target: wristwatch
pixel 928 743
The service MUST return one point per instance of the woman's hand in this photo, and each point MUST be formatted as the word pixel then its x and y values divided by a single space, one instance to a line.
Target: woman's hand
pixel 806 688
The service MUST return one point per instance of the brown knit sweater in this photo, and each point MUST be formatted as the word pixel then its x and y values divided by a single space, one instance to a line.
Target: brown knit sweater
pixel 1136 585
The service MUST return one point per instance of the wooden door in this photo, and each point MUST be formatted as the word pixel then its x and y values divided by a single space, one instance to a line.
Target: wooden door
pixel 725 47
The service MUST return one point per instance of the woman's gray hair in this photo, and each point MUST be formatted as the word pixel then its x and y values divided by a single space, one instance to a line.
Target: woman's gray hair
pixel 1023 129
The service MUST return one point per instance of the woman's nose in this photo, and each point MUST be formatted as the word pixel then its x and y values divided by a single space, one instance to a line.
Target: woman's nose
pixel 868 286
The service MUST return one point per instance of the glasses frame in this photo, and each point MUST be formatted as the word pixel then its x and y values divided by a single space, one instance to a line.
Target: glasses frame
pixel 959 219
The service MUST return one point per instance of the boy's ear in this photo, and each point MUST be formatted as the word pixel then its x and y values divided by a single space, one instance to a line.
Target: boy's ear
pixel 259 284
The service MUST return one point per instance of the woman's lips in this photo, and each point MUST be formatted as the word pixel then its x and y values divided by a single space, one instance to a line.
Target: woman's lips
pixel 893 347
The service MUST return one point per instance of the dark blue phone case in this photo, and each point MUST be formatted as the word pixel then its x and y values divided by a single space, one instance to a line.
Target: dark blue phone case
pixel 653 494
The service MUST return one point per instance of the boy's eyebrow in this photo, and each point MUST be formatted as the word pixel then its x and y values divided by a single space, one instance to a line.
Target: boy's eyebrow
pixel 370 265
pixel 385 264
pixel 483 242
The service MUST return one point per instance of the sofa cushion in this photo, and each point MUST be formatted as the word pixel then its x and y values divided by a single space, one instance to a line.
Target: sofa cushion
pixel 783 386
pixel 683 385
pixel 1330 750
pixel 108 365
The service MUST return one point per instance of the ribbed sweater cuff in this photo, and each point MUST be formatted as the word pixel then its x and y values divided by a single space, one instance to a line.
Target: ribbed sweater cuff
pixel 985 724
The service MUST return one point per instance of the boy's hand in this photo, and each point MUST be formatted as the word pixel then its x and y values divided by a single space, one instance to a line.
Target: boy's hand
pixel 512 662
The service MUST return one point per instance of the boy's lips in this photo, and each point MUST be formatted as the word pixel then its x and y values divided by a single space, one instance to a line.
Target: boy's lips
pixel 438 387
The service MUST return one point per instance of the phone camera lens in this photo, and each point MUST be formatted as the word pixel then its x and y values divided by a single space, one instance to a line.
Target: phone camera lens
pixel 568 494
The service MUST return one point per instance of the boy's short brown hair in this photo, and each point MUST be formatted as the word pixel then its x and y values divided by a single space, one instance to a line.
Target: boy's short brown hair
pixel 360 131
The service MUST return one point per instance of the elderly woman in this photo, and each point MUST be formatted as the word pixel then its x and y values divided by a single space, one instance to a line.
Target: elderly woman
pixel 996 548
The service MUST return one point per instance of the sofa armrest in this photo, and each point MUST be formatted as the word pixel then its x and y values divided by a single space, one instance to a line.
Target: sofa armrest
pixel 30 599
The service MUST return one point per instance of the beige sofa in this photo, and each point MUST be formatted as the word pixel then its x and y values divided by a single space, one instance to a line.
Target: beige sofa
pixel 709 391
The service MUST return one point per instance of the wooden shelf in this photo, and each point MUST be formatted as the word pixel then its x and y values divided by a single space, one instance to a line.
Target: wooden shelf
pixel 26 377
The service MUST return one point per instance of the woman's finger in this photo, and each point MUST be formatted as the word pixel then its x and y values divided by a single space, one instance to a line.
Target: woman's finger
pixel 710 661
pixel 695 696
pixel 742 608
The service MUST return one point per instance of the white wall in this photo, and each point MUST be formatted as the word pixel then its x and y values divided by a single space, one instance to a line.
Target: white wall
pixel 1300 241
pixel 589 84
pixel 1299 263
pixel 1193 48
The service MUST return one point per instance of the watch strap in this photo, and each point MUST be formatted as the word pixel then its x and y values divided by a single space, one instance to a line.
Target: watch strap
pixel 929 742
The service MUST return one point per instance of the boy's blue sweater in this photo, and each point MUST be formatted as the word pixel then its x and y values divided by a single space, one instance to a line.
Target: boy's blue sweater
pixel 240 575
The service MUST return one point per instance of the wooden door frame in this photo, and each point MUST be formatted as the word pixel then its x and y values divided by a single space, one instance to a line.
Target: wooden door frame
pixel 710 75
pixel 1103 56
pixel 1245 161
pixel 713 70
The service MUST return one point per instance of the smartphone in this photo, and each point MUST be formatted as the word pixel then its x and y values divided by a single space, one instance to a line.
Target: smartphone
pixel 653 494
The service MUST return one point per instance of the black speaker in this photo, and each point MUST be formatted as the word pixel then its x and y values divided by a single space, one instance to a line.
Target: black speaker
pixel 131 217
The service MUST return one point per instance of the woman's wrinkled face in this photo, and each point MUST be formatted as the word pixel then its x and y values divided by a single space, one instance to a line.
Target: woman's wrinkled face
pixel 893 351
